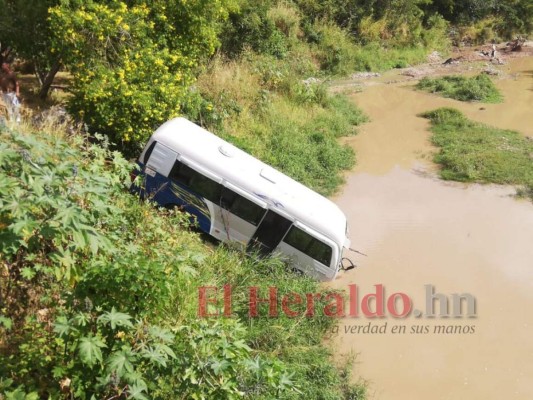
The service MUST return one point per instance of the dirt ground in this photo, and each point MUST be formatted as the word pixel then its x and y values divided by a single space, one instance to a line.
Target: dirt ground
pixel 465 60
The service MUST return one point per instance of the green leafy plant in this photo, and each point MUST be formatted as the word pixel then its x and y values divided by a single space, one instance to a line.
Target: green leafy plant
pixel 17 394
pixel 52 212
pixel 125 323
pixel 107 355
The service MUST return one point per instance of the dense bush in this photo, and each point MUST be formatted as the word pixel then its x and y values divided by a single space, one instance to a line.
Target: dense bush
pixel 251 26
pixel 335 49
pixel 478 19
pixel 132 63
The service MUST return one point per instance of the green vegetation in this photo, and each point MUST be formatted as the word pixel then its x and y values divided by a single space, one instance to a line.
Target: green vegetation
pixel 304 142
pixel 474 152
pixel 24 28
pixel 263 106
pixel 477 88
pixel 342 36
pixel 132 63
pixel 99 292
pixel 477 21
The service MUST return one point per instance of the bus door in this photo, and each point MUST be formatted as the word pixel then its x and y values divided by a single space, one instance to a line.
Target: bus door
pixel 269 233
pixel 310 252
pixel 238 215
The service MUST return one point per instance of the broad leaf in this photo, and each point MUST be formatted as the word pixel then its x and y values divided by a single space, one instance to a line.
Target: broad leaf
pixel 121 361
pixel 115 318
pixel 89 350
pixel 155 357
pixel 218 366
pixel 63 326
pixel 136 392
pixel 162 334
pixel 6 322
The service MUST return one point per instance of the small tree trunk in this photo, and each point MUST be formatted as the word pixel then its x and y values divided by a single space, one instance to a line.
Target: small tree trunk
pixel 49 78
pixel 39 73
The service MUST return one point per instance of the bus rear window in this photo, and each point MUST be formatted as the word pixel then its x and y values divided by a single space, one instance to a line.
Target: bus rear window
pixel 309 245
pixel 198 183
pixel 148 152
pixel 241 206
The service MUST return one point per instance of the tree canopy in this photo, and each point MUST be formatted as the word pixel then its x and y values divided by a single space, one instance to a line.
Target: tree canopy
pixel 132 61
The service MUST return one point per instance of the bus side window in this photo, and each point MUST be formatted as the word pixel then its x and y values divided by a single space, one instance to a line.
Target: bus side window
pixel 206 187
pixel 198 183
pixel 241 206
pixel 181 173
pixel 309 245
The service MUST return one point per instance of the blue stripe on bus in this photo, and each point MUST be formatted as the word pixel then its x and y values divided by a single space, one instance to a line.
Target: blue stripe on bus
pixel 166 192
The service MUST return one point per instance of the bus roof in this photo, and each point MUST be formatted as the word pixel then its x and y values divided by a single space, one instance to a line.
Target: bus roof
pixel 279 191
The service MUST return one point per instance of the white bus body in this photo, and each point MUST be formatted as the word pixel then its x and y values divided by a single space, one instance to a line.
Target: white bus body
pixel 237 198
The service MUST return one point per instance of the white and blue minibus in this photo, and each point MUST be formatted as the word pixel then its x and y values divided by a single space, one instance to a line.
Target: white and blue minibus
pixel 237 198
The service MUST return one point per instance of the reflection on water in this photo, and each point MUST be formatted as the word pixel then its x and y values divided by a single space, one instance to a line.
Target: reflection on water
pixel 418 230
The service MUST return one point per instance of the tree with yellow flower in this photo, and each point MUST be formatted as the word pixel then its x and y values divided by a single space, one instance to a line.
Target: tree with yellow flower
pixel 133 61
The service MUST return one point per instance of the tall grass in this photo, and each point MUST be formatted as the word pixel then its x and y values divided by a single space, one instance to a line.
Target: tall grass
pixel 339 55
pixel 474 152
pixel 264 106
pixel 374 57
pixel 478 88
pixel 297 341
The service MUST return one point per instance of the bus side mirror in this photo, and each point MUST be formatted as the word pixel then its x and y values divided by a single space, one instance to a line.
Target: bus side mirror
pixel 347 264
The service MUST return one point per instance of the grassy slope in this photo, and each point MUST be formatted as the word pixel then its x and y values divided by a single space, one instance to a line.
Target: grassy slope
pixel 151 269
pixel 275 105
pixel 474 152
pixel 263 106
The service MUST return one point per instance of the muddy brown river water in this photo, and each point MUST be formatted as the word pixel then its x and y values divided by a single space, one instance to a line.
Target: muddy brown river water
pixel 419 230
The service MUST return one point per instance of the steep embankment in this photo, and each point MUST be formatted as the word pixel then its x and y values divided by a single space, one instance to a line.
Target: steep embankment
pixel 99 292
